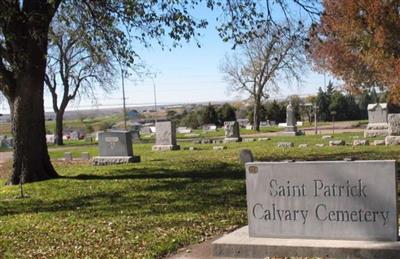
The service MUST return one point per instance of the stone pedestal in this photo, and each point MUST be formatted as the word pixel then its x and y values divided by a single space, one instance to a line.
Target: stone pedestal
pixel 111 160
pixel 392 140
pixel 376 130
pixel 238 244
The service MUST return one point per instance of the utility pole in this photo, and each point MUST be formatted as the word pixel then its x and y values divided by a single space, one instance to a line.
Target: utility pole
pixel 123 96
pixel 155 97
pixel 315 119
pixel 333 113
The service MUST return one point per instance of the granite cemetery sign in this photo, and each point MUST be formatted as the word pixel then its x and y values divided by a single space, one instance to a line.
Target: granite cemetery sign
pixel 115 147
pixel 165 136
pixel 329 209
pixel 353 200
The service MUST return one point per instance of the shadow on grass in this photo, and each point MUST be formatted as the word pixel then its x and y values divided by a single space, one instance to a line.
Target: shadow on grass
pixel 163 191
pixel 222 170
pixel 195 188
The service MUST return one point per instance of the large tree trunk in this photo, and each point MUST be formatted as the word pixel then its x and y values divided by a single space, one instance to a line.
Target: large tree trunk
pixel 256 115
pixel 31 159
pixel 59 127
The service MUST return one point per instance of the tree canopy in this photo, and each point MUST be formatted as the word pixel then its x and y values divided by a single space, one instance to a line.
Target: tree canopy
pixel 358 42
pixel 259 65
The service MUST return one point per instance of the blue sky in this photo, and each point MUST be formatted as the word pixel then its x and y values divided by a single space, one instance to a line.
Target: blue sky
pixel 185 74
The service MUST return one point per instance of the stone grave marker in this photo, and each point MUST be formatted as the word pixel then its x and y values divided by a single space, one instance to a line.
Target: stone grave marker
pixel 379 142
pixel 338 142
pixel 206 141
pixel 394 124
pixel 135 134
pixel 85 156
pixel 285 144
pixel 232 133
pixel 291 128
pixel 115 147
pixel 217 141
pixel 360 142
pixel 165 136
pixel 67 156
pixel 249 139
pixel 246 156
pixel 50 138
pixel 377 120
pixel 393 137
pixel 6 142
pixel 219 147
pixel 190 148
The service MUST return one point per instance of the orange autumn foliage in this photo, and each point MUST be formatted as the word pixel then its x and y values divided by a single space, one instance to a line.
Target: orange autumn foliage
pixel 359 42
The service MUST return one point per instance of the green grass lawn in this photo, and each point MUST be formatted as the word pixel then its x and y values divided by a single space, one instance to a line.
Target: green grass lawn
pixel 148 209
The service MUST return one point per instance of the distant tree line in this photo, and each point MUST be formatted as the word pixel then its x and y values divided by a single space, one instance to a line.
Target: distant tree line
pixel 197 117
pixel 345 106
pixel 329 102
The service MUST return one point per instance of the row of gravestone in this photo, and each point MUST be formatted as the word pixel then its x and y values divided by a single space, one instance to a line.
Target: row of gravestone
pixel 332 143
pixel 115 147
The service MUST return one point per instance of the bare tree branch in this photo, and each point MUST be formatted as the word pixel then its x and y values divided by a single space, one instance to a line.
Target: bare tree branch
pixel 260 64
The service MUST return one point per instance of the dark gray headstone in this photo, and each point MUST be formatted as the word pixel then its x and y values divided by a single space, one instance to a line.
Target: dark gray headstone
pixel 115 148
pixel 246 156
pixel 115 143
pixel 135 134
pixel 232 133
